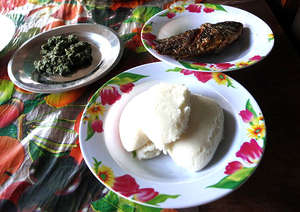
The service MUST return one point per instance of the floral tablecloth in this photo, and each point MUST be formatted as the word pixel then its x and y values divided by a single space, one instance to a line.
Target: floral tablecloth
pixel 41 166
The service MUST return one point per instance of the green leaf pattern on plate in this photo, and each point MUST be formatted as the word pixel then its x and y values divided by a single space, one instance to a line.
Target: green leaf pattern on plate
pixel 234 180
pixel 214 7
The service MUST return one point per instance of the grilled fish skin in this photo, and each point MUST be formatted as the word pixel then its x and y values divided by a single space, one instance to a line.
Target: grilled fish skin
pixel 208 39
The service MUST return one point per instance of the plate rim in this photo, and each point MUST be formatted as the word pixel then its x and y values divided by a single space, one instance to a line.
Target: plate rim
pixel 63 88
pixel 81 143
pixel 158 56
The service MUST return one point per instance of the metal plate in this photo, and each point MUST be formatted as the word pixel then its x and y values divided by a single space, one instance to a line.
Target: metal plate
pixel 107 50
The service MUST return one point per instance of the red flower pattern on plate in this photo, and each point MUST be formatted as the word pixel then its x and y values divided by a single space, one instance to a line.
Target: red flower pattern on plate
pixel 255 58
pixel 97 126
pixel 250 151
pixel 208 10
pixel 126 185
pixel 186 72
pixel 194 8
pixel 224 66
pixel 145 194
pixel 246 115
pixel 149 38
pixel 170 14
pixel 126 88
pixel 109 95
pixel 201 76
pixel 233 167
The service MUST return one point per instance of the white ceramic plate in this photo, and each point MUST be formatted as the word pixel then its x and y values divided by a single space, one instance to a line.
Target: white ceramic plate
pixel 8 30
pixel 159 182
pixel 105 43
pixel 254 44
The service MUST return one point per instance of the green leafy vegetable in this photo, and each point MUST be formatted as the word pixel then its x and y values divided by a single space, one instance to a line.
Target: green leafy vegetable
pixel 63 55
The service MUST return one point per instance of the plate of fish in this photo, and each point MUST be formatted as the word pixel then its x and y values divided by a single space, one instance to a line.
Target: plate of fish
pixel 207 37
pixel 65 58
pixel 157 134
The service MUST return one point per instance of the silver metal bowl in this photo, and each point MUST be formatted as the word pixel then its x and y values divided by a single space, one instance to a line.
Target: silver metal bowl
pixel 107 50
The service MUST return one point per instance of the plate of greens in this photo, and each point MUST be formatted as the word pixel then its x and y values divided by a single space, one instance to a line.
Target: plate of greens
pixel 65 58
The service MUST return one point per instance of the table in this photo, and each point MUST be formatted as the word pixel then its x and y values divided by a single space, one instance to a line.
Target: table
pixel 41 166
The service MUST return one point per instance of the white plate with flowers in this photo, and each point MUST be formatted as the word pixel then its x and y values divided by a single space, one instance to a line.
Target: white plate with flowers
pixel 255 42
pixel 159 182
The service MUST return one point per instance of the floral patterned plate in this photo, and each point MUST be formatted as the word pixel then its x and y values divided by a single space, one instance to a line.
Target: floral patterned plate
pixel 159 182
pixel 255 43
pixel 9 28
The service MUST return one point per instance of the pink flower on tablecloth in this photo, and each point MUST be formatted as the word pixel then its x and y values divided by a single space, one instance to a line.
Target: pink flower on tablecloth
pixel 126 185
pixel 145 194
pixel 233 167
pixel 194 8
pixel 246 115
pixel 97 126
pixel 149 38
pixel 224 66
pixel 203 76
pixel 170 14
pixel 208 10
pixel 126 88
pixel 255 58
pixel 109 95
pixel 186 72
pixel 250 151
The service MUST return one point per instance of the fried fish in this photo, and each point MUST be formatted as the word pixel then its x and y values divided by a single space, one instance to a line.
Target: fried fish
pixel 207 39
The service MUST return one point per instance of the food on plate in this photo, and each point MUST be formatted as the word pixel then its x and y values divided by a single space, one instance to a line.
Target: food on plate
pixel 147 151
pixel 159 114
pixel 197 145
pixel 131 135
pixel 63 55
pixel 207 39
pixel 168 118
pixel 166 113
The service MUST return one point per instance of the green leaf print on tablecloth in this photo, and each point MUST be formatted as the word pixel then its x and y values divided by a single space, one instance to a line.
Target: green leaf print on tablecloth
pixel 10 130
pixel 6 90
pixel 142 14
